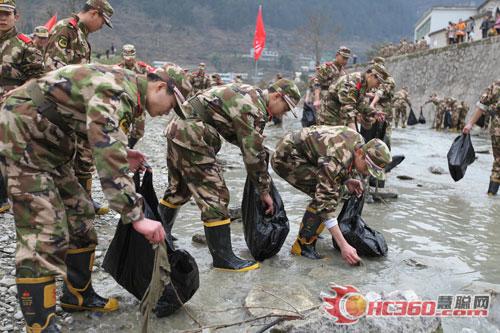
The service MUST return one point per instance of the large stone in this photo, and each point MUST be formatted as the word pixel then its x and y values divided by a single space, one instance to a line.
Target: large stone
pixel 272 298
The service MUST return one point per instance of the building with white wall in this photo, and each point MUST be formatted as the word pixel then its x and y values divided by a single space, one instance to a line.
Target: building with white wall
pixel 437 18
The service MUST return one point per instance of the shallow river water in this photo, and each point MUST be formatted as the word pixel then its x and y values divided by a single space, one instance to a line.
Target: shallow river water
pixel 450 229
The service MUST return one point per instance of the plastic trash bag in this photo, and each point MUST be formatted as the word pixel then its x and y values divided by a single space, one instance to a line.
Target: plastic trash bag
pixel 358 234
pixel 421 118
pixel 460 156
pixel 130 258
pixel 264 235
pixel 412 119
pixel 308 115
pixel 377 131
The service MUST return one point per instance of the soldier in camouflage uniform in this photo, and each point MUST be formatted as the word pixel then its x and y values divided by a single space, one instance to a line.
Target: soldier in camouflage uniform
pixel 382 101
pixel 400 100
pixel 455 114
pixel 345 100
pixel 39 123
pixel 20 61
pixel 238 79
pixel 199 80
pixel 216 80
pixel 437 104
pixel 328 73
pixel 41 38
pixel 323 161
pixel 238 113
pixel 129 61
pixel 490 103
pixel 463 110
pixel 68 44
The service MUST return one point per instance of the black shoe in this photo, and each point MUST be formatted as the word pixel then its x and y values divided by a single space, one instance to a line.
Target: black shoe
pixel 219 244
pixel 37 298
pixel 493 188
pixel 78 293
pixel 168 216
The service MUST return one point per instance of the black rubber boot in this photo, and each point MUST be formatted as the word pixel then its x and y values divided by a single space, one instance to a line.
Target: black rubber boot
pixel 305 244
pixel 37 298
pixel 493 188
pixel 78 293
pixel 87 185
pixel 219 244
pixel 168 216
pixel 4 202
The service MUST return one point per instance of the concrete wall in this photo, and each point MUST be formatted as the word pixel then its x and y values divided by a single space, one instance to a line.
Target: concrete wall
pixel 461 71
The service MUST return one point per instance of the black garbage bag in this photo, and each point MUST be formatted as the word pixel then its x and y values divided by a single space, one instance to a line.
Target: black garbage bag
pixel 377 131
pixel 447 120
pixel 421 118
pixel 460 156
pixel 481 121
pixel 130 257
pixel 358 234
pixel 412 119
pixel 308 115
pixel 264 235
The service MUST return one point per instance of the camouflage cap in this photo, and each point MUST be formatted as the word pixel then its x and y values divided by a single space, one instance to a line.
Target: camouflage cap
pixel 7 5
pixel 344 51
pixel 289 91
pixel 128 51
pixel 378 60
pixel 202 65
pixel 41 32
pixel 104 9
pixel 377 157
pixel 178 83
pixel 379 71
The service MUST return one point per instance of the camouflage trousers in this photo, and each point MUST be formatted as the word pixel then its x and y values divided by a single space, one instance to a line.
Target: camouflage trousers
pixel 197 173
pixel 438 122
pixel 400 113
pixel 495 172
pixel 289 164
pixel 455 119
pixel 52 213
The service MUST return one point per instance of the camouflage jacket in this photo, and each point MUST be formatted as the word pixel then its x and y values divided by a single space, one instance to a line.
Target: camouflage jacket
pixel 238 113
pixel 331 149
pixel 436 101
pixel 401 98
pixel 139 67
pixel 199 82
pixel 68 44
pixel 386 94
pixel 327 74
pixel 97 103
pixel 490 102
pixel 344 101
pixel 20 60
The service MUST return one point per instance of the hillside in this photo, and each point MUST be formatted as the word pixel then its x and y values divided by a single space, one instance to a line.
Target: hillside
pixel 219 31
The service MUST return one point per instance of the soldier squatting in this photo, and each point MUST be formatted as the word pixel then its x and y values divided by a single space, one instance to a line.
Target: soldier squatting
pixel 63 118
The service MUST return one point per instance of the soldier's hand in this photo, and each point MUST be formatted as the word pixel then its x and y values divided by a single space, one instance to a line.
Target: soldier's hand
pixel 317 104
pixel 380 116
pixel 350 254
pixel 152 230
pixel 136 160
pixel 268 203
pixel 354 186
pixel 467 129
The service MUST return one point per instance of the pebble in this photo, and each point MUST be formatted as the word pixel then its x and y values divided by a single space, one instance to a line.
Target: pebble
pixel 7 282
pixel 13 290
pixel 199 239
pixel 69 320
pixel 18 315
pixel 437 170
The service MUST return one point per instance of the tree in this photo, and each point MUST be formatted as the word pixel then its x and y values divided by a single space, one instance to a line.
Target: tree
pixel 316 36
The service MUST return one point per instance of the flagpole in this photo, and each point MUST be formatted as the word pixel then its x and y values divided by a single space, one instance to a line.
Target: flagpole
pixel 256 71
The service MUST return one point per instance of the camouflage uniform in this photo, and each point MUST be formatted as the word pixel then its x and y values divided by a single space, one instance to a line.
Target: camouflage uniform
pixel 20 60
pixel 51 210
pixel 490 102
pixel 463 110
pixel 237 113
pixel 345 100
pixel 129 62
pixel 326 75
pixel 68 44
pixel 386 94
pixel 440 112
pixel 455 113
pixel 199 80
pixel 437 104
pixel 400 100
pixel 317 161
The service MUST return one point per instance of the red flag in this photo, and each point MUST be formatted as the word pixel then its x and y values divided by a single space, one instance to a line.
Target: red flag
pixel 259 40
pixel 50 23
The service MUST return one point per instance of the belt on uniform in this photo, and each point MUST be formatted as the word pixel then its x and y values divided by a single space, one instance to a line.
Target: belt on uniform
pixel 46 107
